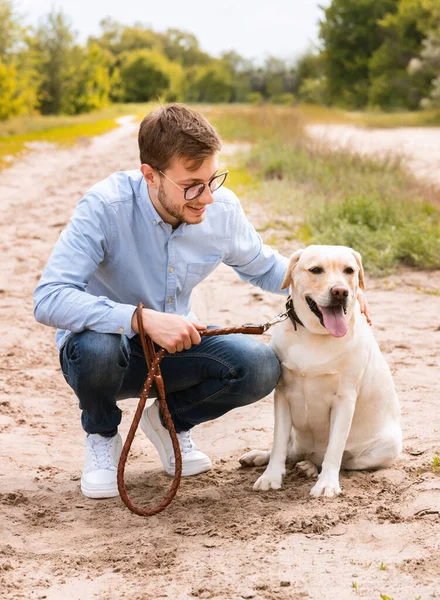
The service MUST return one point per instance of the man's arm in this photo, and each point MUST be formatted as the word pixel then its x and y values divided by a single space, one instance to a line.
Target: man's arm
pixel 60 299
pixel 251 259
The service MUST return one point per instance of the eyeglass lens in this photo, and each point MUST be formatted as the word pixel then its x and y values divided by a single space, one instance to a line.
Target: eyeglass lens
pixel 196 190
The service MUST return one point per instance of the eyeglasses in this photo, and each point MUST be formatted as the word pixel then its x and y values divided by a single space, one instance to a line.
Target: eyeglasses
pixel 196 189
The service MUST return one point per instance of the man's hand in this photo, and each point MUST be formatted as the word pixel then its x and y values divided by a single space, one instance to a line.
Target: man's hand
pixel 172 332
pixel 363 303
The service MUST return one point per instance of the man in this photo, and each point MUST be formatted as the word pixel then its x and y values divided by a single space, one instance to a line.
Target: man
pixel 151 235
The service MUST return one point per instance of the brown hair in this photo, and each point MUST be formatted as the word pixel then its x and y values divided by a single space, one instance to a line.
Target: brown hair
pixel 176 131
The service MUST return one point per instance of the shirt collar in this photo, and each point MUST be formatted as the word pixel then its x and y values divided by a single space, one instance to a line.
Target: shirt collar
pixel 153 215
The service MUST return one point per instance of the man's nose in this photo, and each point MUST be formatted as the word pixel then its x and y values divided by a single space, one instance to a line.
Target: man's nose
pixel 206 196
pixel 339 292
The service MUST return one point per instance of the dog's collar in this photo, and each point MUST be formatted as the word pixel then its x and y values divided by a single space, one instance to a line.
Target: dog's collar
pixel 290 309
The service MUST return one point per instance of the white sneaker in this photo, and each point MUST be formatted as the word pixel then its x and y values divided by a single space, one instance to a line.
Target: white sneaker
pixel 193 461
pixel 99 478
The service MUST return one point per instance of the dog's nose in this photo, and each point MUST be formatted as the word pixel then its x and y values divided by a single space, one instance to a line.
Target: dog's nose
pixel 339 292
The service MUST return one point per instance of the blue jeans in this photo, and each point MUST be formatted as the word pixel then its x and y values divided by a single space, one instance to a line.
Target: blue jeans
pixel 201 384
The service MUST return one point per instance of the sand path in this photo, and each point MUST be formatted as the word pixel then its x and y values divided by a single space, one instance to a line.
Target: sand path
pixel 218 539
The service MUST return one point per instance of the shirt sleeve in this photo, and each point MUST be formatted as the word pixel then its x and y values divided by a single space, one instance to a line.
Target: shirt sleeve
pixel 251 259
pixel 61 299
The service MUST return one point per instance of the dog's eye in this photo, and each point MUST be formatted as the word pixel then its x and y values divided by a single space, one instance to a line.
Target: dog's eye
pixel 316 270
pixel 349 271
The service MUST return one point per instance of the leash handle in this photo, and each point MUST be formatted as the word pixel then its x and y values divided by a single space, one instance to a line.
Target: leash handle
pixel 153 361
pixel 153 358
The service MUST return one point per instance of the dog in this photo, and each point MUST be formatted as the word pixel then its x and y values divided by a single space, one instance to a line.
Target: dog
pixel 335 402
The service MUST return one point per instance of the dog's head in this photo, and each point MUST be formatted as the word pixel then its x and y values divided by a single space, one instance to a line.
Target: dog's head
pixel 324 282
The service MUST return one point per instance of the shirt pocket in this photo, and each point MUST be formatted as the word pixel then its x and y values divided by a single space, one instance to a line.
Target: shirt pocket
pixel 197 272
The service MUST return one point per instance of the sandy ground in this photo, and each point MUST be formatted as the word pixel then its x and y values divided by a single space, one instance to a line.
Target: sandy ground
pixel 218 539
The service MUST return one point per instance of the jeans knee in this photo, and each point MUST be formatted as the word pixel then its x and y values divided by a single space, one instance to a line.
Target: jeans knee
pixel 98 358
pixel 258 373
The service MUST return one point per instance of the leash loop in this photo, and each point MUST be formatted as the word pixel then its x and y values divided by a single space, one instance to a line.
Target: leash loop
pixel 152 359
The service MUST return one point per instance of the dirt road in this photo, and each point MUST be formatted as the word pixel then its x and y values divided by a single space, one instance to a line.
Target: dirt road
pixel 218 539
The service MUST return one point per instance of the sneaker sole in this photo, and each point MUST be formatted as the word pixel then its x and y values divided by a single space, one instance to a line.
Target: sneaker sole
pixel 102 492
pixel 187 470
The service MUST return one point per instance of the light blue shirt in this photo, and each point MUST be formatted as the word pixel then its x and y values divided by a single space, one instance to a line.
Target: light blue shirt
pixel 117 251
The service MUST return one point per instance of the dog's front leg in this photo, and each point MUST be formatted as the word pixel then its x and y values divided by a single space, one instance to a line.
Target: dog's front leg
pixel 341 416
pixel 273 475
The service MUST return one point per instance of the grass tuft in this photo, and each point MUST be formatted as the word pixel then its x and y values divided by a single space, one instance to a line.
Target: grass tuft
pixel 334 197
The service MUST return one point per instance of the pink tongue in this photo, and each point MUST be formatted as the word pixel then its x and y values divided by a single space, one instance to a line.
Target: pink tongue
pixel 334 320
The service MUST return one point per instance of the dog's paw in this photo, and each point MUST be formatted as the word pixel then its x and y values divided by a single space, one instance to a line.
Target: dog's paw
pixel 255 458
pixel 307 467
pixel 327 485
pixel 269 481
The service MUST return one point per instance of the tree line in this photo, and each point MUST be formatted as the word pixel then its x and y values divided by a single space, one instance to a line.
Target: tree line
pixel 371 54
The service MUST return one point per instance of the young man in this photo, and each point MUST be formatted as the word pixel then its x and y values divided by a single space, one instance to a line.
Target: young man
pixel 151 235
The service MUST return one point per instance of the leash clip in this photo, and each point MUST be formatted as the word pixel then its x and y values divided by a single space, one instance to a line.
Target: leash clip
pixel 278 319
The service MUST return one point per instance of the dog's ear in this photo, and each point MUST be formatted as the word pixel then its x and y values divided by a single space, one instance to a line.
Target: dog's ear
pixel 361 269
pixel 292 264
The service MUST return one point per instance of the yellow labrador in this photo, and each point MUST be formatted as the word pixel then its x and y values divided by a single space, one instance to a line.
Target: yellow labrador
pixel 336 390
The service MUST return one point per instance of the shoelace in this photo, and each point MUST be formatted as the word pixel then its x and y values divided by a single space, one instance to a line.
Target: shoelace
pixel 100 447
pixel 185 441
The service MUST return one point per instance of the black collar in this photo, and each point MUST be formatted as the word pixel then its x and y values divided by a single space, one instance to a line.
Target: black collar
pixel 290 309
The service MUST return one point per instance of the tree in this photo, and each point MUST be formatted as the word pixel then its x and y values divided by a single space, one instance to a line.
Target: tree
pixel 429 65
pixel 148 75
pixel 211 83
pixel 183 47
pixel 18 72
pixel 351 34
pixel 88 87
pixel 392 86
pixel 54 43
pixel 240 70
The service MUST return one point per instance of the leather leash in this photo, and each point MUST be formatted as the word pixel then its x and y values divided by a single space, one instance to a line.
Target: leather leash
pixel 153 359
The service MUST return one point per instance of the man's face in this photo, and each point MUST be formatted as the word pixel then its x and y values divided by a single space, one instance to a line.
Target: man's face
pixel 169 200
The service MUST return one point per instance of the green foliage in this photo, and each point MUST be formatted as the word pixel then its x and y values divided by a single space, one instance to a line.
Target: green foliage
pixel 89 81
pixel 18 74
pixel 210 83
pixel 382 55
pixel 254 98
pixel 182 47
pixel 148 75
pixel 391 85
pixel 308 67
pixel 9 103
pixel 314 90
pixel 285 99
pixel 351 34
pixel 336 197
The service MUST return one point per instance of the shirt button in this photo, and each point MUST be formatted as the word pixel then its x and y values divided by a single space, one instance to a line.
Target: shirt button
pixel 170 300
pixel 121 330
pixel 171 269
pixel 154 222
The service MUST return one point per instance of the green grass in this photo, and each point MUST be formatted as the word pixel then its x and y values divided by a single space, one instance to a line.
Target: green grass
pixel 299 192
pixel 322 114
pixel 61 130
pixel 306 193
pixel 250 123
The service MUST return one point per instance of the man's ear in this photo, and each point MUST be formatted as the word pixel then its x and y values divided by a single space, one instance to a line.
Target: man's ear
pixel 150 175
pixel 361 269
pixel 292 264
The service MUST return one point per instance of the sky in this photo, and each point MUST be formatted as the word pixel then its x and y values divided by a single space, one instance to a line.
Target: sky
pixel 253 28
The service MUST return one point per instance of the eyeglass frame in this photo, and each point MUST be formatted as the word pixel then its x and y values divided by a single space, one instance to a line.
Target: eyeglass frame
pixel 204 183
